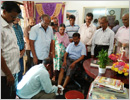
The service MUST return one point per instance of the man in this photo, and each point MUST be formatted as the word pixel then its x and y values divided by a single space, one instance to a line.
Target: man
pixel 27 29
pixel 103 38
pixel 20 41
pixel 75 52
pixel 86 31
pixel 41 37
pixel 9 50
pixel 122 35
pixel 116 26
pixel 99 21
pixel 36 83
pixel 72 28
pixel 56 26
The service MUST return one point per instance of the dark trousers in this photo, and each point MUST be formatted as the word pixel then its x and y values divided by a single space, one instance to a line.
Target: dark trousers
pixel 6 91
pixel 28 63
pixel 20 74
pixel 98 48
pixel 32 64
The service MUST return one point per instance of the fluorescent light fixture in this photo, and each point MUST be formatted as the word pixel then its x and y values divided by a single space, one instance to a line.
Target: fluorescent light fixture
pixel 99 12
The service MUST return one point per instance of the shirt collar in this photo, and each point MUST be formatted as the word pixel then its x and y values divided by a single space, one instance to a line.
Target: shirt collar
pixel 125 27
pixel 89 25
pixel 105 29
pixel 4 22
pixel 78 43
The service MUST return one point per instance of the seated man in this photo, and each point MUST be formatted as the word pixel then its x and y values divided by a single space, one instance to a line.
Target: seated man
pixel 36 83
pixel 75 52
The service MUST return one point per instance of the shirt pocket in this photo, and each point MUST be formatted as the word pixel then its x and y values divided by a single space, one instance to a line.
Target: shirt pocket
pixel 106 39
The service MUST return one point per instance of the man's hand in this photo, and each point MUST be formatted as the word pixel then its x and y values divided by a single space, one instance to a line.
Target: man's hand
pixel 10 80
pixel 35 60
pixel 22 53
pixel 64 63
pixel 72 65
pixel 125 44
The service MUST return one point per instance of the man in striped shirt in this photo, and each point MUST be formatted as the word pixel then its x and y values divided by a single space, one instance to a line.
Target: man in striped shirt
pixel 72 28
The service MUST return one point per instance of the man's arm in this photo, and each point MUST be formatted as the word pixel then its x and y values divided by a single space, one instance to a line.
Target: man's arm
pixel 111 43
pixel 52 49
pixel 93 45
pixel 6 70
pixel 35 60
pixel 76 61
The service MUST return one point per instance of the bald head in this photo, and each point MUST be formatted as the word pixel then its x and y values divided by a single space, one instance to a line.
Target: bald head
pixel 125 20
pixel 31 21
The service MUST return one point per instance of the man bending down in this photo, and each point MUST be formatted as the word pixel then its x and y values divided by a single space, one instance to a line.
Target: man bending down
pixel 36 83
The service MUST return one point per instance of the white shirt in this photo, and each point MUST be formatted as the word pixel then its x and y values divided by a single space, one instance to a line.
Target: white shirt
pixel 101 37
pixel 86 33
pixel 35 80
pixel 10 49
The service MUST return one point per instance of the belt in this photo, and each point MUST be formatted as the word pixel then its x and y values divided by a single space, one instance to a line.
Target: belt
pixel 102 45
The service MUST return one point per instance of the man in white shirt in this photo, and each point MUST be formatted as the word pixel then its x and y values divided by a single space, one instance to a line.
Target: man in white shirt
pixel 10 53
pixel 103 38
pixel 36 83
pixel 86 32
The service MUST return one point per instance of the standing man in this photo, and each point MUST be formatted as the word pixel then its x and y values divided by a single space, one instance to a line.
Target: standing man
pixel 116 26
pixel 41 39
pixel 122 35
pixel 72 28
pixel 36 83
pixel 20 41
pixel 27 29
pixel 86 31
pixel 10 54
pixel 103 38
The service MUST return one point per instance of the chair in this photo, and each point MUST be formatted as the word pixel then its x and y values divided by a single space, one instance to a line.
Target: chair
pixel 78 76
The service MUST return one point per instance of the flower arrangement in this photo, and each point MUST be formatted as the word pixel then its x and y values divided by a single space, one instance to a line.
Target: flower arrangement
pixel 114 57
pixel 121 67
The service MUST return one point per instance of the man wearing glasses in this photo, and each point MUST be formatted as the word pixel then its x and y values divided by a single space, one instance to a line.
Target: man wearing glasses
pixel 10 53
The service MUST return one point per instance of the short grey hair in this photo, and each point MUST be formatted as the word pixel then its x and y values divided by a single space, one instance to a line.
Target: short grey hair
pixel 45 15
pixel 105 17
pixel 48 61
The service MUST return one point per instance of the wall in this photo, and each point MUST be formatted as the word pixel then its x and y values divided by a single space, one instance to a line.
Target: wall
pixel 79 5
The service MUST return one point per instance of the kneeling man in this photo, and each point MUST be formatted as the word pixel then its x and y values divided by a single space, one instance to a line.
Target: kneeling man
pixel 75 53
pixel 36 83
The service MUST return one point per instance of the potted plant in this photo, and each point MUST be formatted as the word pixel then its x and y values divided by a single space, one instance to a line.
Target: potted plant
pixel 103 60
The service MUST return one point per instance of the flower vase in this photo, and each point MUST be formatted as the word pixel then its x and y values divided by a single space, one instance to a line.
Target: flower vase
pixel 102 70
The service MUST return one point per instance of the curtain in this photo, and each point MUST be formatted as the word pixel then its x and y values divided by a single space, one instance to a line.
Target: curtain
pixel 29 8
pixel 52 9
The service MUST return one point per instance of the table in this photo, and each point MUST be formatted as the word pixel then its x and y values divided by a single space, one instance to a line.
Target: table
pixel 93 72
